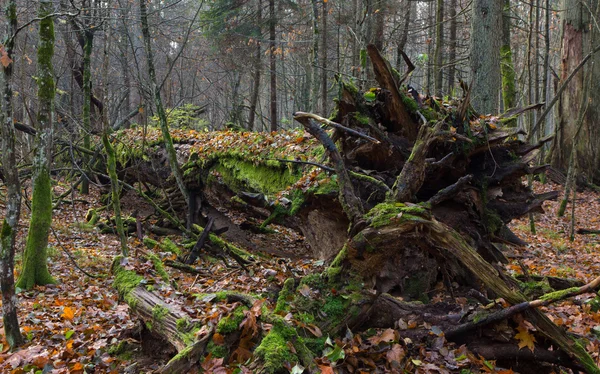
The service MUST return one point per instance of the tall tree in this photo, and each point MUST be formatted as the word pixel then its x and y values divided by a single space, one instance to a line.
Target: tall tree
pixel 324 61
pixel 507 68
pixel 439 47
pixel 257 68
pixel 160 109
pixel 35 267
pixel 9 224
pixel 273 63
pixel 580 35
pixel 452 46
pixel 486 28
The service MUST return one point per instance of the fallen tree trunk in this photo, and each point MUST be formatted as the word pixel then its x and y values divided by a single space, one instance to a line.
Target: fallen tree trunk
pixel 415 200
pixel 165 321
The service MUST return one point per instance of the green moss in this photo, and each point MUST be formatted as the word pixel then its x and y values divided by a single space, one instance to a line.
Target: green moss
pixel 159 312
pixel 316 345
pixel 285 296
pixel 150 243
pixel 182 354
pixel 335 307
pixel 313 280
pixel 556 295
pixel 274 349
pixel 219 351
pixel 35 260
pixel 159 267
pixel 335 268
pixel 533 290
pixel 241 175
pixel 351 87
pixel 232 322
pixel 182 324
pixel 362 118
pixel 305 318
pixel 168 245
pixel 125 280
pixel 92 216
pixel 383 214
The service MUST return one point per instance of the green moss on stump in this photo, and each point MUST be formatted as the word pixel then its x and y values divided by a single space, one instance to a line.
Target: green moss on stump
pixel 385 213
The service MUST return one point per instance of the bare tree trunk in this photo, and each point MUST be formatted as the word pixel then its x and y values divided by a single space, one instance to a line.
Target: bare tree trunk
pixel 439 46
pixel 452 47
pixel 486 29
pixel 313 71
pixel 257 69
pixel 324 100
pixel 10 222
pixel 273 64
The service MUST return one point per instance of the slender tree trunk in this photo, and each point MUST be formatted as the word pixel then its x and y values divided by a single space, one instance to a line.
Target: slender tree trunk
pixel 257 69
pixel 35 267
pixel 324 100
pixel 87 95
pixel 439 47
pixel 506 63
pixel 313 70
pixel 486 29
pixel 11 180
pixel 273 64
pixel 452 47
pixel 430 35
pixel 111 159
pixel 404 36
pixel 162 115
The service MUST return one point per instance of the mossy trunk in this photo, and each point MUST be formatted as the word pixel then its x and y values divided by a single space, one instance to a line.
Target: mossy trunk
pixel 35 267
pixel 111 166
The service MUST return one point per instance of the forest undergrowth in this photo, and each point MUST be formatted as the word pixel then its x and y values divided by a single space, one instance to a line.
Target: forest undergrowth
pixel 80 326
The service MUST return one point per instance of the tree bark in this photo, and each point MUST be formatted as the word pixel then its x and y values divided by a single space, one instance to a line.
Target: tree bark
pixel 257 70
pixel 486 29
pixel 580 35
pixel 439 48
pixel 9 225
pixel 273 64
pixel 507 66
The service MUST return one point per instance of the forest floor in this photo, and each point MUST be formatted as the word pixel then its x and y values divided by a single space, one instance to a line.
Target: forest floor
pixel 79 325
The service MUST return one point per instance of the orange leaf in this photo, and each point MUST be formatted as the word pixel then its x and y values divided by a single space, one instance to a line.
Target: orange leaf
pixel 525 338
pixel 68 313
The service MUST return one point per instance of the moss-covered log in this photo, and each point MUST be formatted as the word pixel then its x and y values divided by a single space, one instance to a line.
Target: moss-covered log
pixel 166 322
